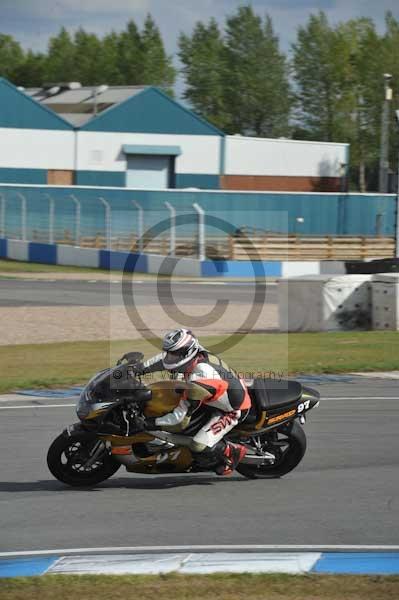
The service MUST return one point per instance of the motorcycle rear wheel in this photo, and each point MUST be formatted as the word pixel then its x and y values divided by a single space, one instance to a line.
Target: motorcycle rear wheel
pixel 67 456
pixel 286 460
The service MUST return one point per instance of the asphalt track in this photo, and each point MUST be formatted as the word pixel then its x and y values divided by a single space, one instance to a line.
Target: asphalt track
pixel 16 292
pixel 346 490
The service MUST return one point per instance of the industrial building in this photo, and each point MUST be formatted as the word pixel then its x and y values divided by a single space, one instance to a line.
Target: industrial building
pixel 138 137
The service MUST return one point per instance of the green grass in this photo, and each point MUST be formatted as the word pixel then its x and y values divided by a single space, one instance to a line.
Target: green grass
pixel 16 266
pixel 8 267
pixel 205 587
pixel 46 365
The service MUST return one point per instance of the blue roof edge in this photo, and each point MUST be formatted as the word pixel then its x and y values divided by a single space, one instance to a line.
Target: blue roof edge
pixel 187 110
pixel 161 93
pixel 44 108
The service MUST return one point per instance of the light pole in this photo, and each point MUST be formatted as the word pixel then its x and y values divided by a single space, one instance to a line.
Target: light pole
pixel 384 148
pixel 397 200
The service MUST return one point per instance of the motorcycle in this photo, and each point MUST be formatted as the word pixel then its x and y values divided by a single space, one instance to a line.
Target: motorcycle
pixel 108 434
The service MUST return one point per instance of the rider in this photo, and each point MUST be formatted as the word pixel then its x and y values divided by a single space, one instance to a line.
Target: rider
pixel 209 382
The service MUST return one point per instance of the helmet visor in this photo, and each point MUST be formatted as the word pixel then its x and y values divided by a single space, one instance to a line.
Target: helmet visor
pixel 174 358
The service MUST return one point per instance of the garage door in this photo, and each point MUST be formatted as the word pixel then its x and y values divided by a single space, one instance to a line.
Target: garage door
pixel 150 172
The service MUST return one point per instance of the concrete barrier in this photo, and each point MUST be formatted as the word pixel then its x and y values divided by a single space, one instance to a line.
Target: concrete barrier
pixel 385 300
pixel 163 265
pixel 325 303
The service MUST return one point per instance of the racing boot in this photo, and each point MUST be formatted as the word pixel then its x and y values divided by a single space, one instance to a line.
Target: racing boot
pixel 232 455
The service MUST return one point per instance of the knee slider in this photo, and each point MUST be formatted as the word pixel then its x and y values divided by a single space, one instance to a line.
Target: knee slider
pixel 197 447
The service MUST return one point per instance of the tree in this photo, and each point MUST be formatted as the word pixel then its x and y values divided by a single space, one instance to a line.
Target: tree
pixel 87 50
pixel 390 59
pixel 338 73
pixel 31 72
pixel 256 88
pixel 11 57
pixel 108 60
pixel 61 59
pixel 316 63
pixel 202 56
pixel 130 55
pixel 157 68
pixel 359 106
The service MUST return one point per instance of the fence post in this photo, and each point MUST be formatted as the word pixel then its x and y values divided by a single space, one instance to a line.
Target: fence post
pixel 140 224
pixel 77 219
pixel 201 230
pixel 3 216
pixel 23 215
pixel 50 219
pixel 107 223
pixel 378 224
pixel 172 239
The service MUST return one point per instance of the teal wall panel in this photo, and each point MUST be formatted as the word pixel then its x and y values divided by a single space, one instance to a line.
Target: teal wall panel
pixel 151 111
pixel 23 175
pixel 19 111
pixel 204 182
pixel 103 178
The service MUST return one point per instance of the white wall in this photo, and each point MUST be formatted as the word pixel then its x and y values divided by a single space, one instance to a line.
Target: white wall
pixel 102 151
pixel 36 149
pixel 261 156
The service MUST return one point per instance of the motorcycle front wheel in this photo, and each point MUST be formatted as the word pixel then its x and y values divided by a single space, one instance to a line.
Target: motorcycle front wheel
pixel 288 443
pixel 80 460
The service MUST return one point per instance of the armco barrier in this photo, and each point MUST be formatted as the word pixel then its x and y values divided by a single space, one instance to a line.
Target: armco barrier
pixel 54 254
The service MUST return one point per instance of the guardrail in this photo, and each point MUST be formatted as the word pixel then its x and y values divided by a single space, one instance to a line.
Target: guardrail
pixel 271 247
pixel 295 247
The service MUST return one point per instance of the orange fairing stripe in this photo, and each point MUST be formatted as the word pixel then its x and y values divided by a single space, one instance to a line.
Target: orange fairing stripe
pixel 121 450
pixel 218 385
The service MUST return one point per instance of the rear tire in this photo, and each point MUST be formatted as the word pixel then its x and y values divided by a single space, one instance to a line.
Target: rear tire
pixel 288 459
pixel 66 459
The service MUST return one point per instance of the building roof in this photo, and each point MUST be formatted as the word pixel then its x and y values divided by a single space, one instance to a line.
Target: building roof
pixel 19 110
pixel 139 109
pixel 78 105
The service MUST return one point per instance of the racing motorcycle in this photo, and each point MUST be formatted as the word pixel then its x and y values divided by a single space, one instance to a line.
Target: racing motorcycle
pixel 108 434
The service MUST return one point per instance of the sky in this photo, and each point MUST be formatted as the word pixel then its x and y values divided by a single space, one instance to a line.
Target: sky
pixel 32 22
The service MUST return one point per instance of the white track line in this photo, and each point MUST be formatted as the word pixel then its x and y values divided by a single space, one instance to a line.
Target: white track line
pixel 222 548
pixel 33 399
pixel 346 398
pixel 36 406
pixel 359 398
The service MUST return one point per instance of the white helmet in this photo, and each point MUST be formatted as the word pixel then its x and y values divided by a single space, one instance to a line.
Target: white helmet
pixel 180 347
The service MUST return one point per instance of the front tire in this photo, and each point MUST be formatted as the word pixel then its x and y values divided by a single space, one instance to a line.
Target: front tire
pixel 288 456
pixel 67 460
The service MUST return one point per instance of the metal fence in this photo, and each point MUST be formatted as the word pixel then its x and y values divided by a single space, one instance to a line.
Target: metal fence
pixel 185 222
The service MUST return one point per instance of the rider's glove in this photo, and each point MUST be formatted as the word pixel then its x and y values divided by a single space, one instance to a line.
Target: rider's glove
pixel 138 368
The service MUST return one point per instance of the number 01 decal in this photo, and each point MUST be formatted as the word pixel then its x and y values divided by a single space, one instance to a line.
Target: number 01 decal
pixel 303 406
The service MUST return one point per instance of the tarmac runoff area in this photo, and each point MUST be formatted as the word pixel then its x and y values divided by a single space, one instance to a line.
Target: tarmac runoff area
pixel 69 310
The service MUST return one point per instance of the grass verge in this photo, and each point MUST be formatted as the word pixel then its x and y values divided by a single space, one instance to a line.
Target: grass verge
pixel 186 587
pixel 16 266
pixel 8 268
pixel 46 365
